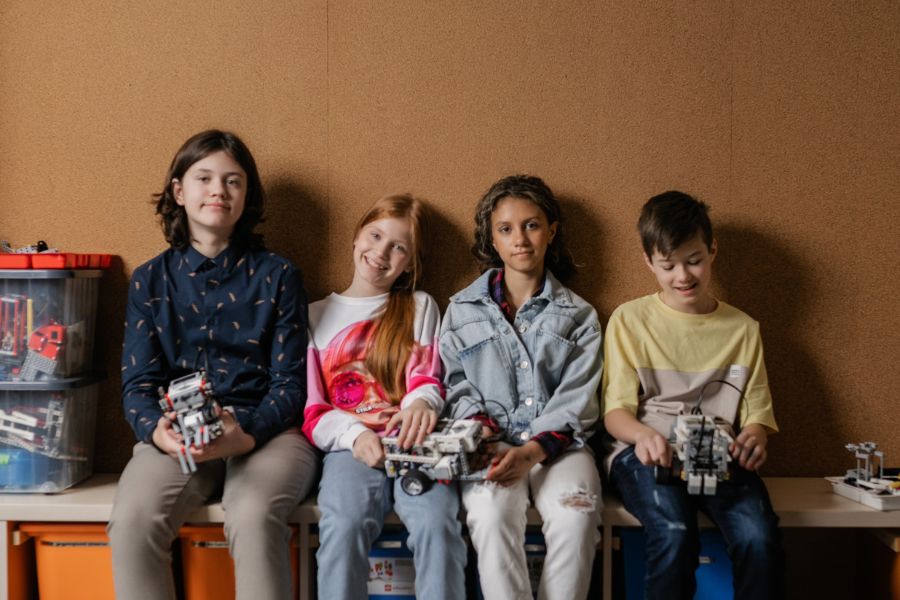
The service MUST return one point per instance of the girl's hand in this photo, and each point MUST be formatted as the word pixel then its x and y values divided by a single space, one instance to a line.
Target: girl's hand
pixel 749 448
pixel 651 448
pixel 368 449
pixel 511 464
pixel 416 421
pixel 232 442
pixel 165 438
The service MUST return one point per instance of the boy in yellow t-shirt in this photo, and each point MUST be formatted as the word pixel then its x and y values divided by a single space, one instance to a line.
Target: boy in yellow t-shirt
pixel 676 352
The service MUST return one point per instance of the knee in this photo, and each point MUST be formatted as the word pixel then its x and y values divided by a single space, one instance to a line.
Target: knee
pixel 759 542
pixel 249 520
pixel 348 525
pixel 132 521
pixel 675 540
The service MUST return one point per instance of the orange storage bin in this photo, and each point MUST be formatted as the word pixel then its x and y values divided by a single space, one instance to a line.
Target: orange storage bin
pixel 73 561
pixel 208 571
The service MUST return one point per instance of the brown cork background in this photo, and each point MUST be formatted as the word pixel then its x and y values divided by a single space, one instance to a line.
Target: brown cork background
pixel 784 116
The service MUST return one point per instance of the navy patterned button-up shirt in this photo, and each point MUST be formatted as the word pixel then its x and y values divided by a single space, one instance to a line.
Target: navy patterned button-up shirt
pixel 242 316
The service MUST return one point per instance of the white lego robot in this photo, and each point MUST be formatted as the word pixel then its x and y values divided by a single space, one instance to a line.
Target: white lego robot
pixel 190 398
pixel 868 484
pixel 443 455
pixel 701 454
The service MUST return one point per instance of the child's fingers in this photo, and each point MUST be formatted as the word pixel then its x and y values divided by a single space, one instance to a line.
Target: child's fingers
pixel 392 423
pixel 409 429
pixel 425 427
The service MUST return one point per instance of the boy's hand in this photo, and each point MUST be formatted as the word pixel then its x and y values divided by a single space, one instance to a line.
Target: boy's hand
pixel 651 448
pixel 232 442
pixel 511 464
pixel 749 447
pixel 416 421
pixel 165 438
pixel 368 450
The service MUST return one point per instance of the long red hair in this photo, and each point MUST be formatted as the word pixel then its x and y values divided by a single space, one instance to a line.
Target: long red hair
pixel 391 345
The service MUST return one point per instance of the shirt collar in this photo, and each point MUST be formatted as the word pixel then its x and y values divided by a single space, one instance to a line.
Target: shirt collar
pixel 195 260
pixel 480 290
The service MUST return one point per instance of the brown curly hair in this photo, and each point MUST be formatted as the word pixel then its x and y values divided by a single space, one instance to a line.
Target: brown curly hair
pixel 558 259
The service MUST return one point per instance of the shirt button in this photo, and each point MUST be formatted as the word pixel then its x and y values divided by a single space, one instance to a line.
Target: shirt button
pixel 529 401
pixel 523 364
pixel 524 436
pixel 523 328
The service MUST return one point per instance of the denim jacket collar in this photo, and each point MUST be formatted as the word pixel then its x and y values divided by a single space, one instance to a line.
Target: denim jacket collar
pixel 479 291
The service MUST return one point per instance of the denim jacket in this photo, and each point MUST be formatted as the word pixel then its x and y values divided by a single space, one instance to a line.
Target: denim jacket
pixel 538 374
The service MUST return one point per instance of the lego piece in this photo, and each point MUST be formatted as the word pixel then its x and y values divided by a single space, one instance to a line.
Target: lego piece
pixel 191 399
pixel 700 448
pixel 443 455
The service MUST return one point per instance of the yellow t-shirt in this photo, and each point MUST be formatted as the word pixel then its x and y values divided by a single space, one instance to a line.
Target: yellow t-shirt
pixel 659 361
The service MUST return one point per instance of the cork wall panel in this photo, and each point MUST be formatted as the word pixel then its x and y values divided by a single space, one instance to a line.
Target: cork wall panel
pixel 95 98
pixel 784 116
pixel 813 235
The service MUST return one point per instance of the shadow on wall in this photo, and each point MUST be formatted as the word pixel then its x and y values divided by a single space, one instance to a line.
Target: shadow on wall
pixel 449 263
pixel 113 438
pixel 296 225
pixel 586 241
pixel 763 277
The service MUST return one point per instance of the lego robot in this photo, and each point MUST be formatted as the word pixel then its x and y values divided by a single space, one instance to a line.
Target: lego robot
pixel 870 461
pixel 701 454
pixel 443 455
pixel 191 399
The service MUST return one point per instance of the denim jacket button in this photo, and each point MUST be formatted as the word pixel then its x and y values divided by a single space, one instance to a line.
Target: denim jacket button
pixel 523 364
pixel 523 328
pixel 524 436
pixel 529 401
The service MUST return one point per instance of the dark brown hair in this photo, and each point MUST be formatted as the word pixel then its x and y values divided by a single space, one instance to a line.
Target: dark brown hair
pixel 672 218
pixel 172 216
pixel 558 259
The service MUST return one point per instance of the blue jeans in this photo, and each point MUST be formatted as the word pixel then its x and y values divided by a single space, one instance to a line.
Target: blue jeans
pixel 740 508
pixel 354 500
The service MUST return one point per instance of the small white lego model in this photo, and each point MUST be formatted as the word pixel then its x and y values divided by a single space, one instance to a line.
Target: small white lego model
pixel 443 455
pixel 701 454
pixel 862 485
pixel 36 429
pixel 191 399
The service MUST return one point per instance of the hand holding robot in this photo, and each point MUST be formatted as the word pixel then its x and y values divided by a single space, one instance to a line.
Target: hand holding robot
pixel 191 421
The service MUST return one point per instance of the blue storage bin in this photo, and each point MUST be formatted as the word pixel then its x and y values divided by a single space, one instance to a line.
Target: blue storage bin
pixel 392 575
pixel 713 574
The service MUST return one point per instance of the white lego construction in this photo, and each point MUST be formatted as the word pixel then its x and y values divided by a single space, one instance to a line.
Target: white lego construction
pixel 867 483
pixel 191 399
pixel 37 429
pixel 701 454
pixel 445 454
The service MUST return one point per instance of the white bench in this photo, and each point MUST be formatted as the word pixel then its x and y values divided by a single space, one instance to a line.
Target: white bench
pixel 799 502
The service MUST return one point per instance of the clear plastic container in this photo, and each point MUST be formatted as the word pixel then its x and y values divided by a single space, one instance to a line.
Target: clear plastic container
pixel 47 323
pixel 46 434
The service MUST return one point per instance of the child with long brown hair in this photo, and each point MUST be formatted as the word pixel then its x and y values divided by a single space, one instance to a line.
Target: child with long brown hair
pixel 522 354
pixel 372 367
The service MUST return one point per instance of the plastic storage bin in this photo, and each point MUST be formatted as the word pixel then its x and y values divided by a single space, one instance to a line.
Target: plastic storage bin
pixel 207 566
pixel 392 575
pixel 52 260
pixel 73 561
pixel 46 434
pixel 713 574
pixel 47 322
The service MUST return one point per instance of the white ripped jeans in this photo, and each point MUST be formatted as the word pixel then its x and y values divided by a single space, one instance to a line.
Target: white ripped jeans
pixel 567 494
